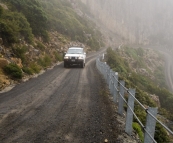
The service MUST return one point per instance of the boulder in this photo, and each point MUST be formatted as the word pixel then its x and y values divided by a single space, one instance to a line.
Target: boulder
pixel 3 62
pixel 17 61
pixel 4 6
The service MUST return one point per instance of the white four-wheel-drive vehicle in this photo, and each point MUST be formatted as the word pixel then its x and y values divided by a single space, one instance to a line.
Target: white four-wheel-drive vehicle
pixel 75 56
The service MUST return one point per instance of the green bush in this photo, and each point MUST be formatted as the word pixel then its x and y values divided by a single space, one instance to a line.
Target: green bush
pixel 8 32
pixel 138 129
pixel 58 57
pixel 161 135
pixel 33 12
pixel 14 26
pixel 13 70
pixel 20 52
pixel 34 67
pixel 140 52
pixel 45 61
pixel 27 70
pixel 40 46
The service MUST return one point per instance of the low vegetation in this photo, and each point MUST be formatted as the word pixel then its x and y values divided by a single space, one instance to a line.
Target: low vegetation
pixel 45 61
pixel 143 84
pixel 26 28
pixel 138 129
pixel 13 70
pixel 29 18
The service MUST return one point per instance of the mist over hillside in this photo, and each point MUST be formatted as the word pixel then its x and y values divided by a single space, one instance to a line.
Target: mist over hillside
pixel 143 22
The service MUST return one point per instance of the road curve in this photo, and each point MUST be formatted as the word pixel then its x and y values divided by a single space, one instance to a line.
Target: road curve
pixel 167 52
pixel 168 65
pixel 169 70
pixel 62 105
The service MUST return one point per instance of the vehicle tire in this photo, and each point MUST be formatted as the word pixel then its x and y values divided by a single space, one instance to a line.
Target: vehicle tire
pixel 65 65
pixel 82 65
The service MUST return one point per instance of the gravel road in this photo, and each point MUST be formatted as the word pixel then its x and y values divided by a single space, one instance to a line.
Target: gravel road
pixel 167 52
pixel 169 69
pixel 67 105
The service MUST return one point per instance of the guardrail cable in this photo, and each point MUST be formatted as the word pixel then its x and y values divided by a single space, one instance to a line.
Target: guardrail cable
pixel 110 79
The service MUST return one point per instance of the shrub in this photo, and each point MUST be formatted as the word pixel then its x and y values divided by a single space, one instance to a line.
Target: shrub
pixel 8 33
pixel 138 129
pixel 45 61
pixel 40 46
pixel 20 52
pixel 35 68
pixel 161 135
pixel 27 70
pixel 140 52
pixel 14 26
pixel 13 70
pixel 58 57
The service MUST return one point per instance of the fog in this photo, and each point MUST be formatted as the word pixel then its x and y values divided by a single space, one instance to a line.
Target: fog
pixel 138 21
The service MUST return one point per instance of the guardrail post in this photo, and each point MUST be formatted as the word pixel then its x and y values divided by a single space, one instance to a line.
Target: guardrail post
pixel 118 91
pixel 97 60
pixel 129 115
pixel 120 100
pixel 150 125
pixel 115 93
pixel 105 71
pixel 112 83
pixel 110 79
pixel 108 74
pixel 99 65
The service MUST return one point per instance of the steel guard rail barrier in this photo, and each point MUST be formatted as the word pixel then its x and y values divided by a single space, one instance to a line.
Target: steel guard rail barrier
pixel 117 89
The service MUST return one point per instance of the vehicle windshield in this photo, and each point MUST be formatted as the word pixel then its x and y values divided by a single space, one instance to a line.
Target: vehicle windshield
pixel 74 51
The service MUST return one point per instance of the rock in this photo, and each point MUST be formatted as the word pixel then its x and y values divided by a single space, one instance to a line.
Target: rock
pixel 17 61
pixel 3 62
pixel 156 99
pixel 4 6
pixel 31 47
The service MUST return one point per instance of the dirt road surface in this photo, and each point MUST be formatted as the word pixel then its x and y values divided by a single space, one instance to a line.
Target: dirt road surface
pixel 167 52
pixel 67 105
pixel 169 70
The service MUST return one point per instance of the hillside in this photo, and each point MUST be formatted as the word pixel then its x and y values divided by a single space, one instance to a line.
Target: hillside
pixel 142 22
pixel 35 33
pixel 142 69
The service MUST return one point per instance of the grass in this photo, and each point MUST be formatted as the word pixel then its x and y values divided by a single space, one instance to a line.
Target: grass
pixel 139 131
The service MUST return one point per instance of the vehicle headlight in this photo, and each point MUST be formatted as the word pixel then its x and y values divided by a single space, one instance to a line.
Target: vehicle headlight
pixel 80 57
pixel 66 57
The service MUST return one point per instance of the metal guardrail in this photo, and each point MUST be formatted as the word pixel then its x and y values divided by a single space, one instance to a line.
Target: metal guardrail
pixel 117 89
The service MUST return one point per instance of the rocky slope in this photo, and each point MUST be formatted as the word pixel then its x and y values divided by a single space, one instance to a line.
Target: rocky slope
pixel 58 44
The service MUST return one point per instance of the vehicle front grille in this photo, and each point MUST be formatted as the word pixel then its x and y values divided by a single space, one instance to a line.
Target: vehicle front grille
pixel 73 57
